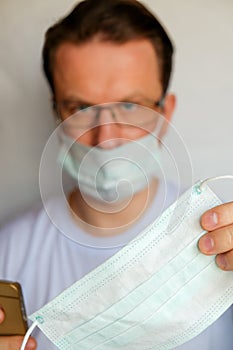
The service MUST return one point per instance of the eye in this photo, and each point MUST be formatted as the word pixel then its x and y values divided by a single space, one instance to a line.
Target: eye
pixel 83 107
pixel 128 106
pixel 72 107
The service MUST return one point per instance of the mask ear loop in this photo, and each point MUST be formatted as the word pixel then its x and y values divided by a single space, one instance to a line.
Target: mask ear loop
pixel 203 184
pixel 28 333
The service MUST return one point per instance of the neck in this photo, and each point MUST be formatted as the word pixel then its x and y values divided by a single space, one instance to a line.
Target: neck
pixel 101 219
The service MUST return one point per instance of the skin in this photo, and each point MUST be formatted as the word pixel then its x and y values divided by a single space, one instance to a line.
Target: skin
pixel 91 79
pixel 219 238
pixel 85 73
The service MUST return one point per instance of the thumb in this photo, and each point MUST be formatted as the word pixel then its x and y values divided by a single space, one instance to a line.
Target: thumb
pixel 2 315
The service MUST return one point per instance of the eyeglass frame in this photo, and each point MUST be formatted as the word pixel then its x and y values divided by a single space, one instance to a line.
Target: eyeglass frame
pixel 159 104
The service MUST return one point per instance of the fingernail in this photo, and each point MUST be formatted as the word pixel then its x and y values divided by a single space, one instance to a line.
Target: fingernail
pixel 207 243
pixel 210 219
pixel 222 261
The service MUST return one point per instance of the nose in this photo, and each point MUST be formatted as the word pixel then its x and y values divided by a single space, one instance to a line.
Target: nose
pixel 108 132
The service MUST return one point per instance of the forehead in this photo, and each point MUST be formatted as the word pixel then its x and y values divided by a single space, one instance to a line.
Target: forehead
pixel 103 71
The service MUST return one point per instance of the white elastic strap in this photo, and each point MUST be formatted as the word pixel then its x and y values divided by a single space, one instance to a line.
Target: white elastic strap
pixel 27 335
pixel 204 183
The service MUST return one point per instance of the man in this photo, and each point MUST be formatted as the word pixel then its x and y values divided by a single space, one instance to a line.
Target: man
pixel 103 52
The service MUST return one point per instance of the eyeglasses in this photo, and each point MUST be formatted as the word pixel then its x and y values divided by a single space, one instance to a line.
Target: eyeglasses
pixel 125 114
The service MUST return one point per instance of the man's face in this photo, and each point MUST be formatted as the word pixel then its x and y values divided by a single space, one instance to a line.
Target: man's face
pixel 102 72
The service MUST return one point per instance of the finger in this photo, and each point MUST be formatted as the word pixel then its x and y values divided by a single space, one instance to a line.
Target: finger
pixel 15 342
pixel 10 343
pixel 218 241
pixel 31 344
pixel 225 261
pixel 2 315
pixel 217 217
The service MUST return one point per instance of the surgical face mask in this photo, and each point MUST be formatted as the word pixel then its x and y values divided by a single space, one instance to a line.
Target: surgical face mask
pixel 111 174
pixel 156 293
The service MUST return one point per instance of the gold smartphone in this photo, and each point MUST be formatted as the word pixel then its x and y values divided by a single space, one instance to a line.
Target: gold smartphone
pixel 11 301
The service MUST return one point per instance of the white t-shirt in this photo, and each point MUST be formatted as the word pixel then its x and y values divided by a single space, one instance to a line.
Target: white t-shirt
pixel 48 254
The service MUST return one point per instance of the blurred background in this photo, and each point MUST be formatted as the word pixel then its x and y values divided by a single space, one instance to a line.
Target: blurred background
pixel 202 80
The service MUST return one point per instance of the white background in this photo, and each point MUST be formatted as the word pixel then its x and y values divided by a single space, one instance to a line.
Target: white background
pixel 202 80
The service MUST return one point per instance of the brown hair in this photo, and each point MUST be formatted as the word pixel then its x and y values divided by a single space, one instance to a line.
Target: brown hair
pixel 118 21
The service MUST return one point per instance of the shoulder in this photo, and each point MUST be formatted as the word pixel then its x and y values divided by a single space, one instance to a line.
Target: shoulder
pixel 29 231
pixel 23 225
pixel 23 238
pixel 35 219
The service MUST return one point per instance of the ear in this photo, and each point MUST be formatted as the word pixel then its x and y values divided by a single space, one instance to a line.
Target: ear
pixel 167 112
pixel 169 106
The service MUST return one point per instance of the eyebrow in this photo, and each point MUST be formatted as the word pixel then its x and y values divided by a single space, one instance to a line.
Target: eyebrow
pixel 134 96
pixel 76 99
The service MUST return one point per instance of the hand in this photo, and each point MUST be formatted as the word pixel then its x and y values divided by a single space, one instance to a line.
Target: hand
pixel 14 342
pixel 218 240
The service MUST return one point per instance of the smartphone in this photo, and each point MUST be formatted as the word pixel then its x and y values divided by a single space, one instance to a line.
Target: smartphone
pixel 11 301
